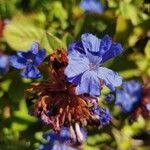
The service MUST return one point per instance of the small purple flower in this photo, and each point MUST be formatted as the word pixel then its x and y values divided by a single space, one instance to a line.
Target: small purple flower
pixel 85 59
pixel 129 96
pixel 62 140
pixel 103 114
pixel 91 6
pixel 4 64
pixel 28 61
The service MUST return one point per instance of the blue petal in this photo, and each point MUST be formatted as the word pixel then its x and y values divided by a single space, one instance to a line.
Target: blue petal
pixel 46 147
pixel 105 44
pixel 56 141
pixel 91 46
pixel 35 47
pixel 90 43
pixel 4 64
pixel 17 62
pixel 110 78
pixel 130 96
pixel 62 146
pixel 76 46
pixel 28 55
pixel 105 116
pixel 132 87
pixel 89 84
pixel 39 57
pixel 4 61
pixel 115 50
pixel 124 100
pixel 31 72
pixel 76 80
pixel 93 59
pixel 77 64
pixel 91 6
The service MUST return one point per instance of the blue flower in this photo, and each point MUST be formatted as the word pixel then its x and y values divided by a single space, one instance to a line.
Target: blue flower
pixel 56 146
pixel 85 58
pixel 103 114
pixel 28 61
pixel 4 64
pixel 91 6
pixel 129 96
pixel 62 140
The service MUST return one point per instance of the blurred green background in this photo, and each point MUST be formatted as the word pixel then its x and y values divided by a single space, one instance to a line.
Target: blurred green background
pixel 54 24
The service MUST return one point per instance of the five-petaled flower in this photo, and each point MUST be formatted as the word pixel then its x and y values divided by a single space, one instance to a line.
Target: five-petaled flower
pixel 129 96
pixel 63 140
pixel 91 6
pixel 28 61
pixel 85 58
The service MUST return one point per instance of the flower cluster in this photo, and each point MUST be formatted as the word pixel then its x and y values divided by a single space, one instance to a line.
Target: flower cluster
pixel 67 98
pixel 58 105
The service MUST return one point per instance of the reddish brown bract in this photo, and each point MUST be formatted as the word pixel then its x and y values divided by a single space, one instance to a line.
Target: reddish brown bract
pixel 56 103
pixel 141 108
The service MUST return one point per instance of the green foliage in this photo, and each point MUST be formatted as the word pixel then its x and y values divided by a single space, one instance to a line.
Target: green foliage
pixel 147 50
pixel 54 24
pixel 7 8
pixel 26 29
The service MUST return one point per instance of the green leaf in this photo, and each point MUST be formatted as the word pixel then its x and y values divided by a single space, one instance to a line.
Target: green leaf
pixel 22 119
pixel 96 24
pixel 130 73
pixel 7 8
pixel 54 42
pixel 17 93
pixel 147 50
pixel 112 4
pixel 123 27
pixel 67 38
pixel 20 34
pixel 5 85
pixel 58 11
pixel 138 3
pixel 135 36
pixel 132 12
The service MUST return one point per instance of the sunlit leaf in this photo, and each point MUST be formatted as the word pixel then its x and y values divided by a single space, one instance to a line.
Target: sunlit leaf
pixel 54 42
pixel 147 49
pixel 123 30
pixel 132 12
pixel 20 35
